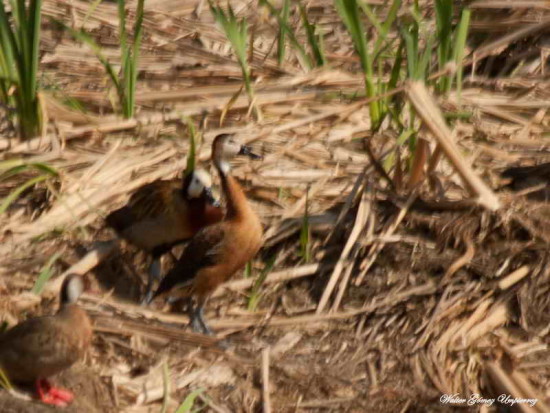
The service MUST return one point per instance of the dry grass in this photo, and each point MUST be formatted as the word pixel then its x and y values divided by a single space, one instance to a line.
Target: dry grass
pixel 412 290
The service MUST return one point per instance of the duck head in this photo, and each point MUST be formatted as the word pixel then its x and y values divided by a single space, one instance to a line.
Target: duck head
pixel 197 185
pixel 225 147
pixel 72 288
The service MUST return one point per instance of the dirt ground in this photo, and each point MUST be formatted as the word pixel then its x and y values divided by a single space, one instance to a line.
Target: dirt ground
pixel 425 293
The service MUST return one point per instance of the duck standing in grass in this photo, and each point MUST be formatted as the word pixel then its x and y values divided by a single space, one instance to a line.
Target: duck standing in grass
pixel 218 251
pixel 165 213
pixel 41 347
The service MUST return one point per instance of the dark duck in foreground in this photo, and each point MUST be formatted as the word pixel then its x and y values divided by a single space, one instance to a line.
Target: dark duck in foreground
pixel 165 213
pixel 218 251
pixel 41 347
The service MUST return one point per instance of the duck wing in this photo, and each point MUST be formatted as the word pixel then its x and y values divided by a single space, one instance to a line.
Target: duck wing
pixel 37 348
pixel 204 250
pixel 147 202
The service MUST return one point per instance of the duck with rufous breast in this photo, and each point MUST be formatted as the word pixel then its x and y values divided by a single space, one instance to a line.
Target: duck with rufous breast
pixel 218 251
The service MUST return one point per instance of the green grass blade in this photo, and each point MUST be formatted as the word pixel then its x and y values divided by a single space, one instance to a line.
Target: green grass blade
pixel 305 233
pixel 19 190
pixel 45 274
pixel 90 11
pixel 138 30
pixel 350 15
pixel 281 45
pixel 83 37
pixel 314 40
pixel 236 32
pixel 35 7
pixel 165 387
pixel 285 27
pixel 4 381
pixel 192 146
pixel 460 47
pixel 187 404
pixel 444 21
pixel 254 298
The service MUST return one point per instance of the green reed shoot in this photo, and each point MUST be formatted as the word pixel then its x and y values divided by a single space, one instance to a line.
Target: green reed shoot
pixel 305 233
pixel 281 39
pixel 451 43
pixel 4 381
pixel 19 53
pixel 165 386
pixel 45 274
pixel 187 405
pixel 129 56
pixel 350 14
pixel 191 155
pixel 255 294
pixel 236 31
pixel 14 167
pixel 126 79
pixel 314 38
pixel 285 28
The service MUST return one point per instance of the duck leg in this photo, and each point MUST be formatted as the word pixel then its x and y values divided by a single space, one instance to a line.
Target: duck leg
pixel 154 274
pixel 197 320
pixel 53 395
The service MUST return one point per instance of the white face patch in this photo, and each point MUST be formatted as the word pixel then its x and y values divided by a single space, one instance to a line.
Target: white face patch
pixel 231 148
pixel 75 287
pixel 199 181
pixel 204 177
pixel 195 188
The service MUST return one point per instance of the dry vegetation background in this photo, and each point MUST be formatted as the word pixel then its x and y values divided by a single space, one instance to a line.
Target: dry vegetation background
pixel 429 296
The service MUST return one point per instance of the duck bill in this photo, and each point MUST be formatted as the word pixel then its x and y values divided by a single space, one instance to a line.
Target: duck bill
pixel 211 198
pixel 247 150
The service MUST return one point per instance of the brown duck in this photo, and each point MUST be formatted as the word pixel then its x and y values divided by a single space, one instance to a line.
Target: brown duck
pixel 165 213
pixel 218 251
pixel 41 347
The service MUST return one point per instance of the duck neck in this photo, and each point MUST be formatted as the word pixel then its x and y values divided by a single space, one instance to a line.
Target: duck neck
pixel 236 203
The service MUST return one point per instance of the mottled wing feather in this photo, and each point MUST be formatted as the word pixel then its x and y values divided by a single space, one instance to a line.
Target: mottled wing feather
pixel 153 199
pixel 203 251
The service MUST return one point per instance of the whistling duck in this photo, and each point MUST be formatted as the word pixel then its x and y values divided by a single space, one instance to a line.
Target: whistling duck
pixel 218 251
pixel 41 347
pixel 165 213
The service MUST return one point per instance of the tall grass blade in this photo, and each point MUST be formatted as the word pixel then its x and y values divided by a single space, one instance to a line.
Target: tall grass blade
pixel 45 274
pixel 305 233
pixel 444 22
pixel 83 37
pixel 236 31
pixel 350 15
pixel 460 47
pixel 285 27
pixel 281 45
pixel 254 298
pixel 19 190
pixel 19 53
pixel 315 40
pixel 192 146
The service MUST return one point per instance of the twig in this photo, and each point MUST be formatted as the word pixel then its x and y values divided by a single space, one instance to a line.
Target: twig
pixel 377 247
pixel 274 277
pixel 514 277
pixel 430 113
pixel 265 381
pixel 165 386
pixel 99 253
